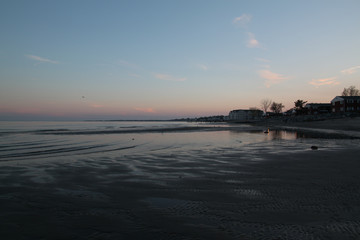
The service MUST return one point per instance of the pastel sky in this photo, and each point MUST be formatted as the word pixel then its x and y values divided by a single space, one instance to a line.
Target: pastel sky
pixel 167 59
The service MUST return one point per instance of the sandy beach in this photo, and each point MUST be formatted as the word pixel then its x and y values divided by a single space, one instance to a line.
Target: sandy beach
pixel 179 120
pixel 209 193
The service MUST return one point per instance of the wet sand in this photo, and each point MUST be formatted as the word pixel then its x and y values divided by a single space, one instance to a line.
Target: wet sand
pixel 214 193
pixel 344 124
pixel 341 124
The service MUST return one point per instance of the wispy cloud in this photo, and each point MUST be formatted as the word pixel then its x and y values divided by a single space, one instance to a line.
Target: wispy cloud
pixel 169 77
pixel 252 42
pixel 134 75
pixel 324 81
pixel 127 64
pixel 203 67
pixel 243 20
pixel 41 59
pixel 96 105
pixel 271 77
pixel 145 110
pixel 351 70
pixel 262 60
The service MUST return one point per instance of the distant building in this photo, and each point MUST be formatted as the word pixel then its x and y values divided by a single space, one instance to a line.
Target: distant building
pixel 290 112
pixel 318 108
pixel 245 115
pixel 345 104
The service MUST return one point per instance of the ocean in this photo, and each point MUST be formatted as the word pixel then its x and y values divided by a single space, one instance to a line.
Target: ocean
pixel 29 141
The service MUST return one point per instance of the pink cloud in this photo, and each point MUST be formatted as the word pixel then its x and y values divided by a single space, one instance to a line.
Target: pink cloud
pixel 96 106
pixel 169 77
pixel 145 110
pixel 351 70
pixel 252 42
pixel 242 20
pixel 271 77
pixel 324 81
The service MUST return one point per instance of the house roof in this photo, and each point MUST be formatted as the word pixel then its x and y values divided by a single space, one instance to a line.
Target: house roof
pixel 245 110
pixel 350 97
pixel 338 98
pixel 318 104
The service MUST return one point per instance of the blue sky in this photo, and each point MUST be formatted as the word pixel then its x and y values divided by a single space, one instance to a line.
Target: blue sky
pixel 166 59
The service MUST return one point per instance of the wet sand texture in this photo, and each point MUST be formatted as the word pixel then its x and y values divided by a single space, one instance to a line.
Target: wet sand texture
pixel 205 194
pixel 345 124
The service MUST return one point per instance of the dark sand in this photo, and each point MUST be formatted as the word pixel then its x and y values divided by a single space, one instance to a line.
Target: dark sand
pixel 205 194
pixel 345 125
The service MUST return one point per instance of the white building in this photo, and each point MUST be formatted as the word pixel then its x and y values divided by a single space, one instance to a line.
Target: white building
pixel 241 115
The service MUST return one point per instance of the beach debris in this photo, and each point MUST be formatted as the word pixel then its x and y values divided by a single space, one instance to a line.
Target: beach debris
pixel 314 147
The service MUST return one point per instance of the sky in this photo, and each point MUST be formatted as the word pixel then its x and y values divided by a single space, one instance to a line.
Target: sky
pixel 75 60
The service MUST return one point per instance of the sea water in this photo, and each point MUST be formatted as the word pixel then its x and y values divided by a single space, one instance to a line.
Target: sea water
pixel 41 141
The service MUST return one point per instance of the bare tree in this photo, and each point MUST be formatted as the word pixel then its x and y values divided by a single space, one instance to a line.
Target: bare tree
pixel 350 91
pixel 265 104
pixel 277 107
